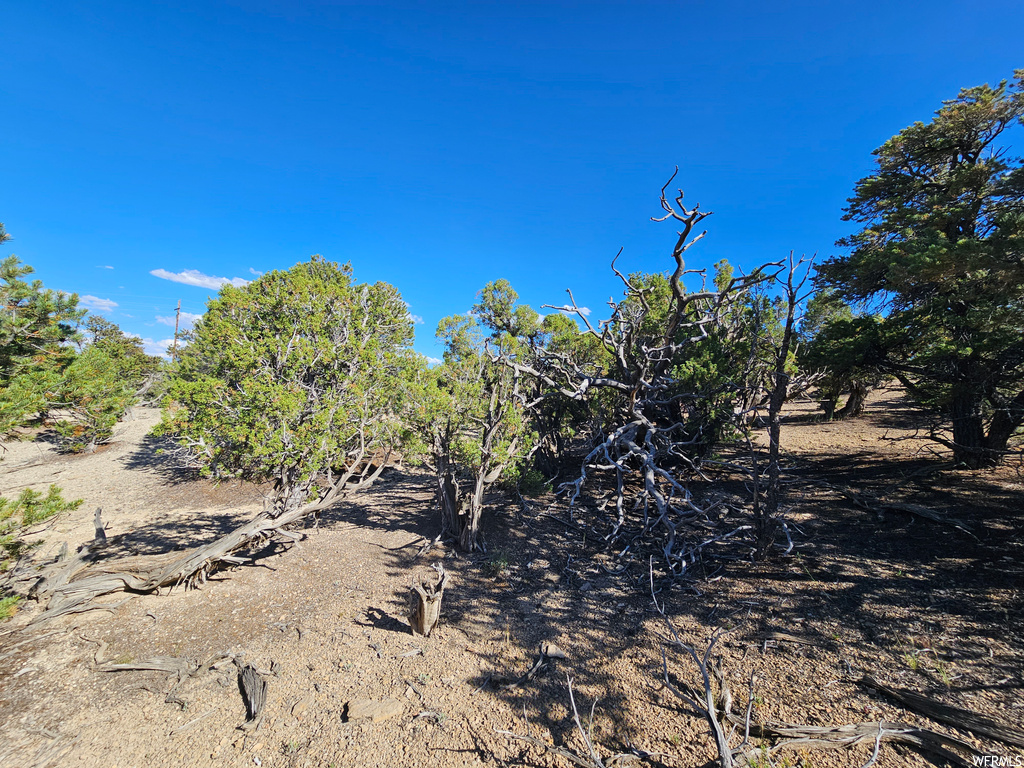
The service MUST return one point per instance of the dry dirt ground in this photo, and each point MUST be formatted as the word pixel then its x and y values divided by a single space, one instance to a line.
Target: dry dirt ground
pixel 917 604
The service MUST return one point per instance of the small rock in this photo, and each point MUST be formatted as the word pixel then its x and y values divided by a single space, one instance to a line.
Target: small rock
pixel 586 586
pixel 363 709
pixel 300 708
pixel 553 577
pixel 552 651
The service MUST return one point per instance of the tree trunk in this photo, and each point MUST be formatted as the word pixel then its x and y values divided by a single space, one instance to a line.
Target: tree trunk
pixel 460 513
pixel 828 405
pixel 1006 420
pixel 855 402
pixel 969 445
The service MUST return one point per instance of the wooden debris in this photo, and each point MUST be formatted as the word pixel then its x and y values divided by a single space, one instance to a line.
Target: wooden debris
pixel 879 505
pixel 192 723
pixel 73 585
pixel 101 534
pixel 254 693
pixel 846 736
pixel 964 719
pixel 172 665
pixel 425 603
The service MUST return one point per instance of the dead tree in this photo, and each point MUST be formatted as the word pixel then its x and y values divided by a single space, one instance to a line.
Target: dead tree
pixel 765 521
pixel 650 442
pixel 73 585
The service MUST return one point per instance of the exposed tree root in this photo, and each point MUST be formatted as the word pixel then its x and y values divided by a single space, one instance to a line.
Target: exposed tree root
pixel 73 586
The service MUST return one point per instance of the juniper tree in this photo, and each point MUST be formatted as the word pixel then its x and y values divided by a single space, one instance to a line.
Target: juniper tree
pixel 292 379
pixel 941 253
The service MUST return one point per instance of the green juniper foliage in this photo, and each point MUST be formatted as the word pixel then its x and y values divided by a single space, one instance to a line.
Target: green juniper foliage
pixel 29 508
pixel 36 327
pixel 941 248
pixel 467 413
pixel 94 392
pixel 292 379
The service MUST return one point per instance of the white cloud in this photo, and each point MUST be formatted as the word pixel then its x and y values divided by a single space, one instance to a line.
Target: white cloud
pixel 198 279
pixel 434 360
pixel 585 311
pixel 255 272
pixel 187 320
pixel 104 266
pixel 159 347
pixel 96 304
pixel 416 319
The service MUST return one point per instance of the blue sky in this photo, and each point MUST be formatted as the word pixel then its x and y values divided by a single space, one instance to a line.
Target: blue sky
pixel 439 146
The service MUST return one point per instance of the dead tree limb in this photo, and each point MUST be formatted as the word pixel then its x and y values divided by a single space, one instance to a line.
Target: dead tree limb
pixel 847 736
pixel 655 430
pixel 73 586
pixel 964 719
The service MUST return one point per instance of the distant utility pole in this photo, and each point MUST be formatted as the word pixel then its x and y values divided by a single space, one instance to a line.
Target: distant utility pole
pixel 177 316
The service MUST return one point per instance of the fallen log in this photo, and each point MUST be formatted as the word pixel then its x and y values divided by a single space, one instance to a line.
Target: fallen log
pixel 846 736
pixel 72 586
pixel 964 719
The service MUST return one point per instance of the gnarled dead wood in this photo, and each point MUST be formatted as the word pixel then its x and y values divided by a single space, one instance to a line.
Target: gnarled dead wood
pixel 846 736
pixel 964 719
pixel 254 692
pixel 425 603
pixel 73 586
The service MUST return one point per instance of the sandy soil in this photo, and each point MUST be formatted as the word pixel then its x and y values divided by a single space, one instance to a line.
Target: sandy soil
pixel 915 603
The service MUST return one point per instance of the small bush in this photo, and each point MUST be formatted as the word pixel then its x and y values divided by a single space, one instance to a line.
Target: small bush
pixel 8 606
pixel 533 483
pixel 29 508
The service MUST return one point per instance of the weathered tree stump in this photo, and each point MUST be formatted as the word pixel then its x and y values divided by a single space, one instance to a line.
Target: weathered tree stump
pixel 254 693
pixel 425 603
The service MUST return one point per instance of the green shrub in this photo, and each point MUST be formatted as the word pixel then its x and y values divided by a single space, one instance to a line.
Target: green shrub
pixel 29 508
pixel 292 379
pixel 96 393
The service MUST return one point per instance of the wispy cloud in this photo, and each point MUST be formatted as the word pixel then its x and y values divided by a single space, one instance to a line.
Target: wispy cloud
pixel 434 360
pixel 159 347
pixel 198 279
pixel 255 272
pixel 585 311
pixel 96 304
pixel 187 320
pixel 104 266
pixel 416 319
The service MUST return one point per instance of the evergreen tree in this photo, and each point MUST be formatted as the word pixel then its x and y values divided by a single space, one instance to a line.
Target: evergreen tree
pixel 941 254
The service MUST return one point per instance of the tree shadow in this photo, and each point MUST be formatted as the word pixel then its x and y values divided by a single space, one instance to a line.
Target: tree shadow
pixel 160 455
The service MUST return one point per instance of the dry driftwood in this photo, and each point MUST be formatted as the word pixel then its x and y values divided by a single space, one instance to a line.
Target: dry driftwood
pixel 846 736
pixel 425 603
pixel 72 586
pixel 717 711
pixel 878 505
pixel 964 719
pixel 254 692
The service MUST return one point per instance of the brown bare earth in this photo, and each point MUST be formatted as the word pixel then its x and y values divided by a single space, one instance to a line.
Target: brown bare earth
pixel 935 607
